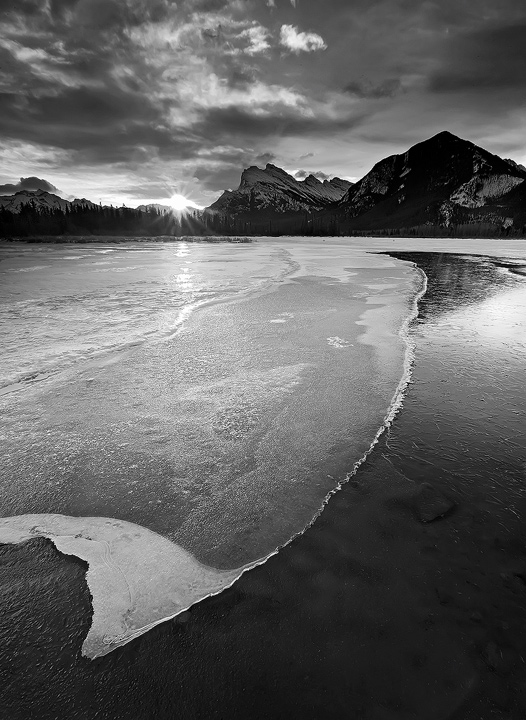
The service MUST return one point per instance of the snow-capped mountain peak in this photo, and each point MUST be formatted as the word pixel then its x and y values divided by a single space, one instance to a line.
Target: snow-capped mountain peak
pixel 40 199
pixel 274 190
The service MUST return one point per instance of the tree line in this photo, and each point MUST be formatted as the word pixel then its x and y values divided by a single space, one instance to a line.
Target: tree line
pixel 98 220
pixel 33 221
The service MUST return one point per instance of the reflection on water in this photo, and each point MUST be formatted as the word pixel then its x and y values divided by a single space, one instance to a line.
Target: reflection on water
pixel 458 281
pixel 371 613
pixel 473 432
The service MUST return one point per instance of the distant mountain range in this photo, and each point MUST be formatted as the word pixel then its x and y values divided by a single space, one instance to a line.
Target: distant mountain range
pixel 40 199
pixel 40 214
pixel 154 206
pixel 45 200
pixel 444 185
pixel 443 182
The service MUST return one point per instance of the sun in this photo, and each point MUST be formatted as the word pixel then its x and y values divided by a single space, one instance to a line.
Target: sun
pixel 179 203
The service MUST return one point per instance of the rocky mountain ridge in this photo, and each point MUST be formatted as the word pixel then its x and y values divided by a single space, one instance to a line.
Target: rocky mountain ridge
pixel 274 190
pixel 442 181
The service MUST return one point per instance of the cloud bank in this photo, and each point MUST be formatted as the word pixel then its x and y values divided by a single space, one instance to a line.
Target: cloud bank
pixel 28 183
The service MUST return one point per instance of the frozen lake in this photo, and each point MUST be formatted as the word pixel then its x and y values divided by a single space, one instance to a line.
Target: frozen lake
pixel 192 406
pixel 213 394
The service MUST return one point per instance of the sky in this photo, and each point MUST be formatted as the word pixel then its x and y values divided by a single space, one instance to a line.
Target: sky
pixel 131 101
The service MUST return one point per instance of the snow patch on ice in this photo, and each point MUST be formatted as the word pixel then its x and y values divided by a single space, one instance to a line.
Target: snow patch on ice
pixel 283 317
pixel 136 577
pixel 338 342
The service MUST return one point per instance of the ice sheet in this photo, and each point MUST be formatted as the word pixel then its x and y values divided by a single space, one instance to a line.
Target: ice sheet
pixel 137 578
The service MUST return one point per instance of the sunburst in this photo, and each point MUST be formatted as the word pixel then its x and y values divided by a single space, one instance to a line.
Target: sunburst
pixel 180 204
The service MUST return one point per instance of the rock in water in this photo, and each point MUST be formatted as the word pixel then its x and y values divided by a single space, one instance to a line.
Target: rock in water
pixel 431 504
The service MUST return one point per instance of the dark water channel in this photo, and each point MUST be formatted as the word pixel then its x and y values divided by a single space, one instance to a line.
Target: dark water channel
pixel 372 613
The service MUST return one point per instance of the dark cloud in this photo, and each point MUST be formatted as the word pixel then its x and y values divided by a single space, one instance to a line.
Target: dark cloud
pixel 106 15
pixel 98 125
pixel 488 59
pixel 240 77
pixel 302 174
pixel 92 108
pixel 28 183
pixel 206 5
pixel 240 122
pixel 22 7
pixel 218 179
pixel 226 171
pixel 367 89
pixel 264 158
pixel 58 8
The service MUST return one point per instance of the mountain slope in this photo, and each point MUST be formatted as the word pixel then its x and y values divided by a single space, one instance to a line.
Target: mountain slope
pixel 442 181
pixel 274 191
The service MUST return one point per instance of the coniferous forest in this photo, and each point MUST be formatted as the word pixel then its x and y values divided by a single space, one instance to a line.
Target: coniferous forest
pixel 91 221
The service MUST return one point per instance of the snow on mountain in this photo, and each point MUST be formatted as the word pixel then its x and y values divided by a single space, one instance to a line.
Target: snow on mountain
pixel 478 190
pixel 273 190
pixel 39 199
pixel 326 190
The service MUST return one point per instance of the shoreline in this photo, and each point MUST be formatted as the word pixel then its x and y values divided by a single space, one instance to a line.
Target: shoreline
pixel 492 247
pixel 121 238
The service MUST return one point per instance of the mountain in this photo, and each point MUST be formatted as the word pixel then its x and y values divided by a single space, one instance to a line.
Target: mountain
pixel 442 182
pixel 441 186
pixel 272 191
pixel 155 206
pixel 40 199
